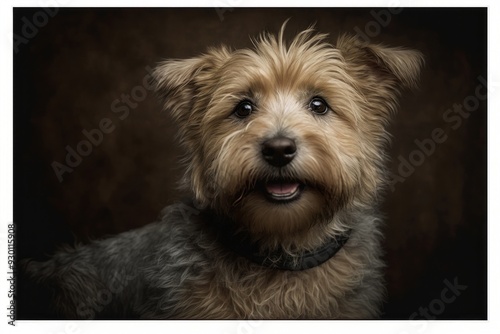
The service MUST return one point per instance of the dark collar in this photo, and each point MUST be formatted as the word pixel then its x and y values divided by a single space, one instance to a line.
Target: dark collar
pixel 279 259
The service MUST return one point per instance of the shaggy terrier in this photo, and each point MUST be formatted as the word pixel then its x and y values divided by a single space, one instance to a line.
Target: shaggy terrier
pixel 285 163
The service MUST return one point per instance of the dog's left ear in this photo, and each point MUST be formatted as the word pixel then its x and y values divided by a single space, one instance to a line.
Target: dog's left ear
pixel 399 67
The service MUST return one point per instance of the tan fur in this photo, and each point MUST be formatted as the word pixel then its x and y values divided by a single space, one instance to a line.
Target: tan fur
pixel 347 287
pixel 339 155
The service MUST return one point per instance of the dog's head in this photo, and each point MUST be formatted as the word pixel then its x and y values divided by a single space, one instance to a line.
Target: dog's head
pixel 282 136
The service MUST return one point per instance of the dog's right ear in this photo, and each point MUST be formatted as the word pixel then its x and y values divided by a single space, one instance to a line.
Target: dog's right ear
pixel 178 82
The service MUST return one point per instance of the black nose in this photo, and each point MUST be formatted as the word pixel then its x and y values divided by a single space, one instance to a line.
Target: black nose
pixel 279 151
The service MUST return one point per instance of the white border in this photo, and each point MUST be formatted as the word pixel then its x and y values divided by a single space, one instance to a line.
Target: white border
pixel 6 200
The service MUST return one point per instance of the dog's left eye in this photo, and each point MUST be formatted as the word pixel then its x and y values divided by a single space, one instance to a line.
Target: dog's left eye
pixel 243 109
pixel 318 106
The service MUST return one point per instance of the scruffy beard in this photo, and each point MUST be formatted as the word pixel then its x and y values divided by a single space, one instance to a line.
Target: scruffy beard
pixel 279 205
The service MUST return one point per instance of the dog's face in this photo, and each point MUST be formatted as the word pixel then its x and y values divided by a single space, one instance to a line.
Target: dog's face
pixel 282 137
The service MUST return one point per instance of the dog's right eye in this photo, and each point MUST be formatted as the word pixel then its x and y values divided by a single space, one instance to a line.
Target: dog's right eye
pixel 243 109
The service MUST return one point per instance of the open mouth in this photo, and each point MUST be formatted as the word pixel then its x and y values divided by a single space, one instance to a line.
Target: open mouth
pixel 282 191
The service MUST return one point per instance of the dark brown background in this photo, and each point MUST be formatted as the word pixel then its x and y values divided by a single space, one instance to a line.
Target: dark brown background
pixel 66 77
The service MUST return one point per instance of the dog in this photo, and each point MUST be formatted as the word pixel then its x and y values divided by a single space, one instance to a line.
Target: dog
pixel 286 167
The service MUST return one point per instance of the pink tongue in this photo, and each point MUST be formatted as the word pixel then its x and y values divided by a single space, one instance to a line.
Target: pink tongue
pixel 281 188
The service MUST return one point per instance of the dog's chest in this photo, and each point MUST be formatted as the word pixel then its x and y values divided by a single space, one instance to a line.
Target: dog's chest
pixel 270 294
